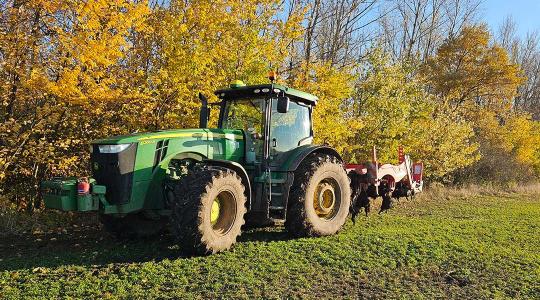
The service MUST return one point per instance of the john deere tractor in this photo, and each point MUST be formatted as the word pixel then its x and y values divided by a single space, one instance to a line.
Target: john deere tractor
pixel 258 166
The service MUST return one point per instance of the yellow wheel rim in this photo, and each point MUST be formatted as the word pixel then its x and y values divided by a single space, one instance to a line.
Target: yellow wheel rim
pixel 214 214
pixel 324 200
pixel 223 212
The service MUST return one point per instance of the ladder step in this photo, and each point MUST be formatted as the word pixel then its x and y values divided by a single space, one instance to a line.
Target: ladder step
pixel 277 207
pixel 276 194
pixel 274 180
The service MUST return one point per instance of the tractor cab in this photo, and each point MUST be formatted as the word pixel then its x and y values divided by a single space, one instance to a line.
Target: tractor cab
pixel 274 118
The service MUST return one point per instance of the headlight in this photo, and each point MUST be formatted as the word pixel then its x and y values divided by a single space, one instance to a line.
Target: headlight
pixel 112 148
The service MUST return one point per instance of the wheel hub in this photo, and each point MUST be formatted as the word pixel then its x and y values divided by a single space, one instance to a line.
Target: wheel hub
pixel 324 200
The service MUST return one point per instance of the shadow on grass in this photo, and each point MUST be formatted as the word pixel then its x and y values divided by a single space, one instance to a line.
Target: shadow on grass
pixel 88 246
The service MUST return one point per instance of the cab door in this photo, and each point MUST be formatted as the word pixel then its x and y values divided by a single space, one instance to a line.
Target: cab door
pixel 289 131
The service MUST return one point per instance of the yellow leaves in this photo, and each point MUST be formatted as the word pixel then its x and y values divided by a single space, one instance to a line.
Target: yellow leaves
pixel 443 144
pixel 91 48
pixel 476 81
pixel 467 69
pixel 516 134
pixel 333 87
pixel 99 67
pixel 525 136
pixel 206 45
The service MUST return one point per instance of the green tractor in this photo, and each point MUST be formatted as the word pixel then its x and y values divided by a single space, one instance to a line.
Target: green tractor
pixel 259 166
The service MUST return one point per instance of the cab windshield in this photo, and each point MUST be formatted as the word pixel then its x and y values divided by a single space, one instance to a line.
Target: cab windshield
pixel 286 129
pixel 244 114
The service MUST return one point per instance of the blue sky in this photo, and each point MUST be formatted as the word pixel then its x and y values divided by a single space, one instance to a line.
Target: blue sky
pixel 526 13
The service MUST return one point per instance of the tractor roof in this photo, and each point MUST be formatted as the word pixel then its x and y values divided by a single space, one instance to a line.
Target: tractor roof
pixel 249 91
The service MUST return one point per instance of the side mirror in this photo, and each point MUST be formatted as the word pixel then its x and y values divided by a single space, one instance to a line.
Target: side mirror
pixel 204 114
pixel 283 104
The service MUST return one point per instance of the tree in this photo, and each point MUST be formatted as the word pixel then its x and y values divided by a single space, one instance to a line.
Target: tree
pixel 62 79
pixel 477 79
pixel 525 52
pixel 207 44
pixel 468 72
pixel 414 29
pixel 394 110
pixel 74 71
pixel 333 124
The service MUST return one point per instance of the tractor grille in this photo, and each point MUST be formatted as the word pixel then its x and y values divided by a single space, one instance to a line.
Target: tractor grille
pixel 115 172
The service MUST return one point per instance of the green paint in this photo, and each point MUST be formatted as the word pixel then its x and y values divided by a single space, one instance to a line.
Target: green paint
pixel 147 193
pixel 66 198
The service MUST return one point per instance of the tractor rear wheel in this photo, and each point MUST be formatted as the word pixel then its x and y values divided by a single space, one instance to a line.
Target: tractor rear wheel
pixel 320 197
pixel 208 210
pixel 133 225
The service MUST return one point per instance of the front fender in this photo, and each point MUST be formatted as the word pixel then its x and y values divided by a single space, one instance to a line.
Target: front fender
pixel 239 169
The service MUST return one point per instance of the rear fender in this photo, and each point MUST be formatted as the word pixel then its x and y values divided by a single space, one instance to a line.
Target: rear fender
pixel 300 153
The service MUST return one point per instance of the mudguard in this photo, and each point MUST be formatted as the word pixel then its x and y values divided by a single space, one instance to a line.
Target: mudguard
pixel 238 169
pixel 299 154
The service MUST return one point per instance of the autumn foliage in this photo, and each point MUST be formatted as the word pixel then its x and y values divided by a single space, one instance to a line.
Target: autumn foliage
pixel 73 71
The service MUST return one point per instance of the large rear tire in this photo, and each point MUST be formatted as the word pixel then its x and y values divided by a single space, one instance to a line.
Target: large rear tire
pixel 320 197
pixel 208 210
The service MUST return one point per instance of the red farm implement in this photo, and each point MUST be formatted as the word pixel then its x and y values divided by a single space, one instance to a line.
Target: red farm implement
pixel 373 179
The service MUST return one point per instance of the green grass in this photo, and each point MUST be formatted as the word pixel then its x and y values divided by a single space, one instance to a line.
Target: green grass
pixel 454 247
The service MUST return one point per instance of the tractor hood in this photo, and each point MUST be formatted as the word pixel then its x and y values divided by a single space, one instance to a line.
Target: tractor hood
pixel 142 161
pixel 172 134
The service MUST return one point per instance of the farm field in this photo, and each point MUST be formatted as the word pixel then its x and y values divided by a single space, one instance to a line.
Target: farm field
pixel 472 246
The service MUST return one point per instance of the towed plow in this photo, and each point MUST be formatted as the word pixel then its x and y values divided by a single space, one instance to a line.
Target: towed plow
pixel 372 180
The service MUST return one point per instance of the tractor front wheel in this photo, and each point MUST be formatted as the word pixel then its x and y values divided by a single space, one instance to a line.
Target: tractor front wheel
pixel 320 197
pixel 208 211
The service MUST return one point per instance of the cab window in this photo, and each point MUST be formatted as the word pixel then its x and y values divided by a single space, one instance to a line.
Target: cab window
pixel 244 114
pixel 288 129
